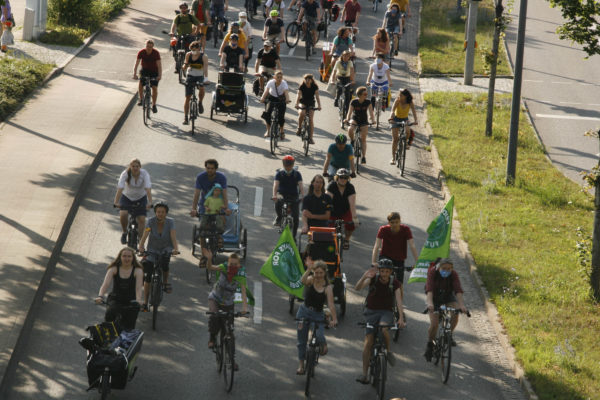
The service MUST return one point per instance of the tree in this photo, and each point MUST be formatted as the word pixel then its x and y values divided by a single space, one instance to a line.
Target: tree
pixel 500 23
pixel 583 23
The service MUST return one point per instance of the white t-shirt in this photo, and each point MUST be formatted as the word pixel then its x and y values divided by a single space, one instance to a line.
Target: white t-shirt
pixel 136 189
pixel 276 91
pixel 379 74
pixel 269 3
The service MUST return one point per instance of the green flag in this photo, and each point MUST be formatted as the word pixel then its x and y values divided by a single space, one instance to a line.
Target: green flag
pixel 437 243
pixel 284 266
pixel 240 277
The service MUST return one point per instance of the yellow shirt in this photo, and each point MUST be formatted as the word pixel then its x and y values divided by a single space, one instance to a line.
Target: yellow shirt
pixel 402 4
pixel 241 39
pixel 401 111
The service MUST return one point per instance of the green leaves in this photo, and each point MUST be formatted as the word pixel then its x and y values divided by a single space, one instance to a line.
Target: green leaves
pixel 583 23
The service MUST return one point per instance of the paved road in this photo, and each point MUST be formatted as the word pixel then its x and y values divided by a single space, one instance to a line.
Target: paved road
pixel 175 362
pixel 560 89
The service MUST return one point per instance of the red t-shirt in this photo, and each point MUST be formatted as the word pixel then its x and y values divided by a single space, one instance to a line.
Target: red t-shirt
pixel 394 244
pixel 380 296
pixel 149 61
pixel 351 10
pixel 200 12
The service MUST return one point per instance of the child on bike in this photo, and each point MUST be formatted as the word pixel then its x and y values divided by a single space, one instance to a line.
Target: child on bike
pixel 214 205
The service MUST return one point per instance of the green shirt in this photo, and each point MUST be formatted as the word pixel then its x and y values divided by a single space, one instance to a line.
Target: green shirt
pixel 185 23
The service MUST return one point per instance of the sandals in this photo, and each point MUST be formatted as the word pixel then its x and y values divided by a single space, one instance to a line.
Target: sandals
pixel 167 288
pixel 300 371
pixel 362 379
pixel 346 244
pixel 203 261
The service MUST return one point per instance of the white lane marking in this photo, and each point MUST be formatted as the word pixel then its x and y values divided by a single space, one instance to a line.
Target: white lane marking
pixel 114 46
pixel 532 80
pixel 258 201
pixel 554 116
pixel 257 292
pixel 561 83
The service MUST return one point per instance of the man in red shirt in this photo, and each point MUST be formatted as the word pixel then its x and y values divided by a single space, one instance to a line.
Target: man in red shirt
pixel 151 69
pixel 350 14
pixel 391 243
pixel 200 8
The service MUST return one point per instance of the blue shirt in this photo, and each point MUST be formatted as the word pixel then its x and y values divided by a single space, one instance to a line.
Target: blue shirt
pixel 340 159
pixel 205 184
pixel 310 9
pixel 288 184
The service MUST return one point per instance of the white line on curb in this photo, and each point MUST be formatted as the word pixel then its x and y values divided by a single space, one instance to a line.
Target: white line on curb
pixel 553 116
pixel 257 302
pixel 258 201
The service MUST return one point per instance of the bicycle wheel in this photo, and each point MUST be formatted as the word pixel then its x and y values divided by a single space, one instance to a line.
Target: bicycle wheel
pixel 309 369
pixel 402 155
pixel 105 385
pixel 146 106
pixel 132 238
pixel 357 151
pixel 219 354
pixel 292 34
pixel 274 134
pixel 391 55
pixel 446 356
pixel 181 58
pixel 396 318
pixel 193 114
pixel 305 136
pixel 291 300
pixel 375 4
pixel 229 363
pixel 377 110
pixel 155 297
pixel 382 373
pixel 341 107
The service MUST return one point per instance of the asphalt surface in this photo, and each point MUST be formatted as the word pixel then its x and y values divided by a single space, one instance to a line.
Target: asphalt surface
pixel 175 362
pixel 560 89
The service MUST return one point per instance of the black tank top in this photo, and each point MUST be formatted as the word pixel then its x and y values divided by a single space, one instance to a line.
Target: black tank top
pixel 124 288
pixel 314 299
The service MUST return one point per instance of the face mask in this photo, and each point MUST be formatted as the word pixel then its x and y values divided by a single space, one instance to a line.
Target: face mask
pixel 394 12
pixel 195 52
pixel 445 273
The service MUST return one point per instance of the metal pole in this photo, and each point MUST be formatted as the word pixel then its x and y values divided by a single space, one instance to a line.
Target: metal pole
pixel 511 163
pixel 471 34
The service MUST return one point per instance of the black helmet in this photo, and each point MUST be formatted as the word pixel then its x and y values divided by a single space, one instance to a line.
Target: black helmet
pixel 386 263
pixel 235 23
pixel 341 139
pixel 342 172
pixel 162 204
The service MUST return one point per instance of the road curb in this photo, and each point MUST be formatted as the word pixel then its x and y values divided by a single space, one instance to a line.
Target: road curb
pixel 25 333
pixel 464 253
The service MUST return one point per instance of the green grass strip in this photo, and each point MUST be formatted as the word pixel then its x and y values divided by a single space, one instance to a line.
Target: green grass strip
pixel 523 241
pixel 18 78
pixel 441 43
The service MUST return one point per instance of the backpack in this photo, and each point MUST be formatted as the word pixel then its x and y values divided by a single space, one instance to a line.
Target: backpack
pixel 178 18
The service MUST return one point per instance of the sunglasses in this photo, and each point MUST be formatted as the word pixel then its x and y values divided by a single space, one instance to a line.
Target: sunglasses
pixel 343 177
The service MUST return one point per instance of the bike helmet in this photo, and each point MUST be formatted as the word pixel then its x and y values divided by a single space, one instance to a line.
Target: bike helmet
pixel 267 43
pixel 184 4
pixel 288 160
pixel 343 172
pixel 385 263
pixel 162 204
pixel 341 139
pixel 274 13
pixel 234 37
pixel 242 14
pixel 235 23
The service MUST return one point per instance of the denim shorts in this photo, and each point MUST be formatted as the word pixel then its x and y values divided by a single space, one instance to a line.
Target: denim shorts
pixel 373 317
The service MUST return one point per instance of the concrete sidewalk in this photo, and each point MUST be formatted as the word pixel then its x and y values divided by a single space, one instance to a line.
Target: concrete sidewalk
pixel 46 151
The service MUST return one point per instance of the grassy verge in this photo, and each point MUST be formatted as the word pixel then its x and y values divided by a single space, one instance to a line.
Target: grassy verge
pixel 18 77
pixel 523 240
pixel 442 38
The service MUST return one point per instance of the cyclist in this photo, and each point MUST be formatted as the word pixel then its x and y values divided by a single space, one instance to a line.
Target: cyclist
pixel 383 291
pixel 317 291
pixel 274 5
pixel 273 30
pixel 151 69
pixel 160 234
pixel 277 93
pixel 308 92
pixel 380 79
pixel 358 120
pixel 134 186
pixel 399 112
pixel 234 29
pixel 339 155
pixel 232 56
pixel 201 10
pixel 125 274
pixel 344 72
pixel 222 295
pixel 391 244
pixel 184 23
pixel 316 205
pixel 204 184
pixel 247 30
pixel 267 60
pixel 391 23
pixel 287 186
pixel 217 14
pixel 343 197
pixel 381 43
pixel 310 16
pixel 350 15
pixel 442 287
pixel 196 67
pixel 404 7
pixel 341 43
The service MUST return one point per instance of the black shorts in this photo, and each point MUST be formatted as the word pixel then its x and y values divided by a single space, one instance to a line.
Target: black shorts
pixel 398 268
pixel 149 75
pixel 149 268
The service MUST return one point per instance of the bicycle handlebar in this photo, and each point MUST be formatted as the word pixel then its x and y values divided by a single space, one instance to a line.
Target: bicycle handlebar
pixel 449 309
pixel 368 325
pixel 136 206
pixel 229 313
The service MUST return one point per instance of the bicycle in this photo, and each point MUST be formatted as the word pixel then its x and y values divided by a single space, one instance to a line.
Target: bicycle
pixel 211 240
pixel 195 104
pixel 344 101
pixel 357 144
pixel 146 100
pixel 156 284
pixel 305 128
pixel 393 47
pixel 379 356
pixel 133 236
pixel 292 35
pixel 340 236
pixel 178 44
pixel 274 131
pixel 380 98
pixel 249 6
pixel 400 155
pixel 224 347
pixel 442 345
pixel 313 350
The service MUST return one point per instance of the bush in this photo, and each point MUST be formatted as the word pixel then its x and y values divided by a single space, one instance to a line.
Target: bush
pixel 18 78
pixel 84 14
pixel 65 36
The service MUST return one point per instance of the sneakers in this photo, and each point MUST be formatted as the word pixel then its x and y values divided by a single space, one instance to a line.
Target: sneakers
pixel 145 308
pixel 391 358
pixel 154 109
pixel 363 160
pixel 200 108
pixel 299 132
pixel 186 121
pixel 124 238
pixel 429 352
pixel 395 52
pixel 336 103
pixel 392 161
pixel 139 103
pixel 311 141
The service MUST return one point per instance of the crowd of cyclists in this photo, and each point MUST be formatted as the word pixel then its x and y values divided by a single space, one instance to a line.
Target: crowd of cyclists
pixel 324 202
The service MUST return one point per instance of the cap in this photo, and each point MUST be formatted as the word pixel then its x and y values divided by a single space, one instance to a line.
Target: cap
pixel 267 43
pixel 342 172
pixel 242 14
